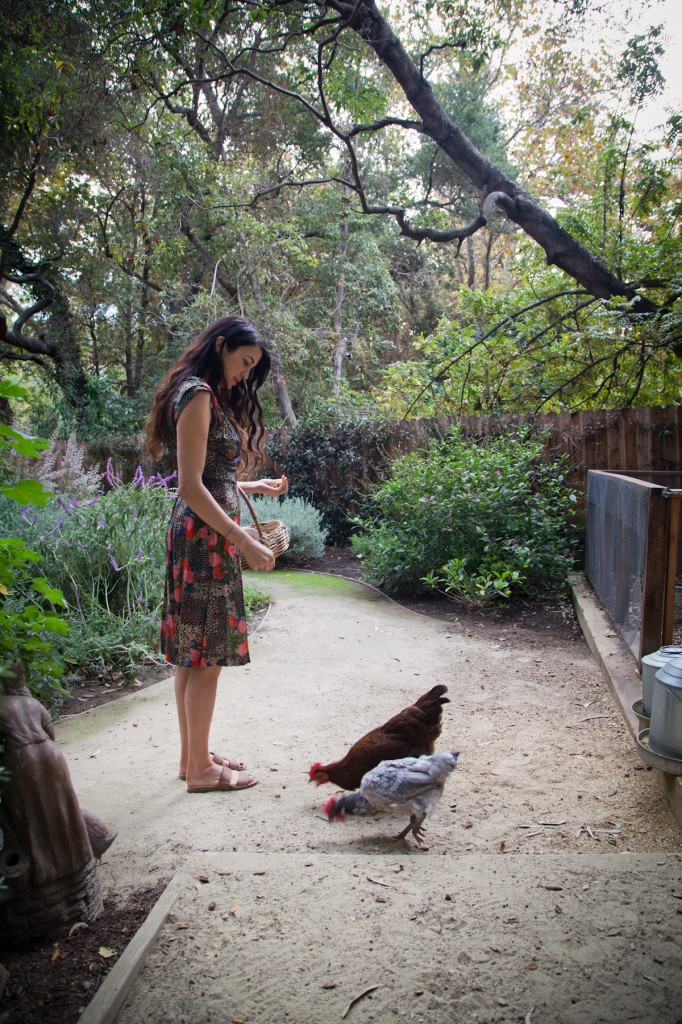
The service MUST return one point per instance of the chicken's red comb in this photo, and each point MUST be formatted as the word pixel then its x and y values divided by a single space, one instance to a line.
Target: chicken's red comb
pixel 313 768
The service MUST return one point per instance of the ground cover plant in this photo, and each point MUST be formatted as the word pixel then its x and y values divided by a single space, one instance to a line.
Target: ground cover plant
pixel 480 521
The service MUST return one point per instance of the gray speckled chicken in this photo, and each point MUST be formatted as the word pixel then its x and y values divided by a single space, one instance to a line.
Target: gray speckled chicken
pixel 413 784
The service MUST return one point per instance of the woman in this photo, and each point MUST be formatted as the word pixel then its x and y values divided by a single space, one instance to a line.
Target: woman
pixel 207 414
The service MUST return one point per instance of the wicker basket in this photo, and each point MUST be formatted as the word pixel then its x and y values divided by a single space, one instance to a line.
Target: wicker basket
pixel 273 532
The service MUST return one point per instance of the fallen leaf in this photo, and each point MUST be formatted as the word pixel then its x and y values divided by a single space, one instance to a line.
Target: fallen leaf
pixel 105 952
pixel 56 952
pixel 356 999
pixel 77 927
pixel 203 878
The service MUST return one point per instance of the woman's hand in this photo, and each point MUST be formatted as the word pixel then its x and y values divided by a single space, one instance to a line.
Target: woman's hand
pixel 258 556
pixel 272 487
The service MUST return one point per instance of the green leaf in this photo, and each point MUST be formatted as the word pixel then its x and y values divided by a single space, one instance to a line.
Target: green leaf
pixel 54 625
pixel 27 492
pixel 9 390
pixel 23 443
pixel 51 593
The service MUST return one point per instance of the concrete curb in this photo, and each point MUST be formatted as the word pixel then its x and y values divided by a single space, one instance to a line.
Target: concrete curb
pixel 620 672
pixel 111 995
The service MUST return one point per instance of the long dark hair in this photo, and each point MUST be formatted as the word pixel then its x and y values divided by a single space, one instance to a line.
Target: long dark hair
pixel 203 358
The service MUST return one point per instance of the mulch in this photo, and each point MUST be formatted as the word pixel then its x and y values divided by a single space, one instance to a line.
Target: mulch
pixel 51 983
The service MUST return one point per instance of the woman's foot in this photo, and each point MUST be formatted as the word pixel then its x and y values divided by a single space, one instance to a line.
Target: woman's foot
pixel 229 762
pixel 228 781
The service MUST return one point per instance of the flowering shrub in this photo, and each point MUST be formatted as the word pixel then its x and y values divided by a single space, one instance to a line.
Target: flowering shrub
pixel 107 555
pixel 479 521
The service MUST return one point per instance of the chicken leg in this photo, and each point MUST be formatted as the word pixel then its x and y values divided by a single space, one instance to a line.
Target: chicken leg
pixel 414 826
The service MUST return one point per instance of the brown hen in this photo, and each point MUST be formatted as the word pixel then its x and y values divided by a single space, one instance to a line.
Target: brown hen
pixel 410 733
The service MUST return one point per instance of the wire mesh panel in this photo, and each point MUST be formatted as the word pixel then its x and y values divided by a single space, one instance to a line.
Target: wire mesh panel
pixel 615 549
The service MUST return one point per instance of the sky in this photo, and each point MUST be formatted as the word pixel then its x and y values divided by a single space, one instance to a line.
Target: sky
pixel 668 13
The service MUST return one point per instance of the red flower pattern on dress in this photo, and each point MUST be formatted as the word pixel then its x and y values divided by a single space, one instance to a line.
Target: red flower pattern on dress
pixel 243 649
pixel 189 527
pixel 212 540
pixel 187 574
pixel 177 594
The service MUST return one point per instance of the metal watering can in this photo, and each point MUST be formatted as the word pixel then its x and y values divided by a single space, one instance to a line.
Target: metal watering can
pixel 651 663
pixel 665 730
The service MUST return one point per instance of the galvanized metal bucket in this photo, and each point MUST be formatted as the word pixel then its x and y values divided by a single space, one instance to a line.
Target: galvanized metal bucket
pixel 650 666
pixel 665 730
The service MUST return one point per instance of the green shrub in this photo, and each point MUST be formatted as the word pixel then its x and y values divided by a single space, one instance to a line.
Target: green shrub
pixel 107 556
pixel 29 606
pixel 478 521
pixel 306 534
pixel 332 466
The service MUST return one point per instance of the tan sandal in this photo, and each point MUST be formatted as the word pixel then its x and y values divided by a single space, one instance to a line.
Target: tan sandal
pixel 235 766
pixel 225 784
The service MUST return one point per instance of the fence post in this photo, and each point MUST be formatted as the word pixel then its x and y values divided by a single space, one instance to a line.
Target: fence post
pixel 671 569
pixel 655 570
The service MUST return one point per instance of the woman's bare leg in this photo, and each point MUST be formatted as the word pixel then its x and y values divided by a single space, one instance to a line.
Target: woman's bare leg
pixel 199 691
pixel 200 696
pixel 182 676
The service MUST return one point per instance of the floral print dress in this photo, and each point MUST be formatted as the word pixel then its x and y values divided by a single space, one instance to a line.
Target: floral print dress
pixel 203 620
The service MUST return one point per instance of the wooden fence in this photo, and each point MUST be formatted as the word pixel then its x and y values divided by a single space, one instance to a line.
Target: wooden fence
pixel 618 440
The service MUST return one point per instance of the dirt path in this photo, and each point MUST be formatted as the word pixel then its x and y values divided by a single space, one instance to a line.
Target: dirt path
pixel 525 900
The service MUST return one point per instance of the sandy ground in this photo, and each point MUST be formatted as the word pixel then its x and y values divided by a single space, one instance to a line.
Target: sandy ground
pixel 551 888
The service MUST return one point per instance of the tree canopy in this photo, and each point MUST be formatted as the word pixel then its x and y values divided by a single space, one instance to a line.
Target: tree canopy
pixel 441 207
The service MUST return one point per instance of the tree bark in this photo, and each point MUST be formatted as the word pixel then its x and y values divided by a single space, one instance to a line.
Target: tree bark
pixel 337 323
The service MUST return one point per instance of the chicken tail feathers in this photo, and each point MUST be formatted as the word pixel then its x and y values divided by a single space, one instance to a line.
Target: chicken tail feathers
pixel 339 807
pixel 434 696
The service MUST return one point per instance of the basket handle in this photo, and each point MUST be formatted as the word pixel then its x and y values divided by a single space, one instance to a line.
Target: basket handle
pixel 242 494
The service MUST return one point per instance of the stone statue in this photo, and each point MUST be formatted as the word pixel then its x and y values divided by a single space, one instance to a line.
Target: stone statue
pixel 50 845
